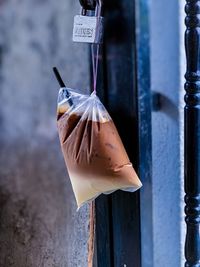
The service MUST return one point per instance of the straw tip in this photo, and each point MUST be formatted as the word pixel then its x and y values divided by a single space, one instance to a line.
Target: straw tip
pixel 58 77
pixel 55 69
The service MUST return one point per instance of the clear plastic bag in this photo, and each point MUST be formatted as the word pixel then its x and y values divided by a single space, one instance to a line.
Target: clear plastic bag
pixel 93 151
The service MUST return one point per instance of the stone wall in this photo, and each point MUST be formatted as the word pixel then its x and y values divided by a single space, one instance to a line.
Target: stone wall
pixel 39 225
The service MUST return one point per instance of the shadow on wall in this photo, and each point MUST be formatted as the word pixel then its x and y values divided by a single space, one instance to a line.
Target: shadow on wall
pixel 166 105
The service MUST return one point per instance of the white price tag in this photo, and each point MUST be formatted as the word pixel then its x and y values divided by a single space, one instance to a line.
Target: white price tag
pixel 88 29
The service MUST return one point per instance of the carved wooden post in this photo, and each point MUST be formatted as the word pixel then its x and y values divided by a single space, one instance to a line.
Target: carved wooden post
pixel 192 134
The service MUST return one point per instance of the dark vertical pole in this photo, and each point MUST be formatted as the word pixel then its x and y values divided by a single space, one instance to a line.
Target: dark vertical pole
pixel 122 103
pixel 144 129
pixel 118 215
pixel 192 134
pixel 124 87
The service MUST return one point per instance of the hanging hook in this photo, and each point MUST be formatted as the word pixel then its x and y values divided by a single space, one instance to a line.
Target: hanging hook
pixel 91 5
pixel 88 4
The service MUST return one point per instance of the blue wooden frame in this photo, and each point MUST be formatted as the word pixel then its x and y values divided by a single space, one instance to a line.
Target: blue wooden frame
pixel 124 220
pixel 145 133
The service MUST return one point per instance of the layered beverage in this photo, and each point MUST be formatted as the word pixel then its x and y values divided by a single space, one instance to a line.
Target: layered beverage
pixel 93 151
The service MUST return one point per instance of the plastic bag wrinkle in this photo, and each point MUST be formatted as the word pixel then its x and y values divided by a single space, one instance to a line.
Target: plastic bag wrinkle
pixel 93 151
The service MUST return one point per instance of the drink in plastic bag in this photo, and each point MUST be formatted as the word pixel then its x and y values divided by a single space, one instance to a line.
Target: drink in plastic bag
pixel 93 151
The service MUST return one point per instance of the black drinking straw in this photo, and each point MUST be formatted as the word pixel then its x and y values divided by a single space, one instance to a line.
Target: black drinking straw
pixel 58 77
pixel 62 84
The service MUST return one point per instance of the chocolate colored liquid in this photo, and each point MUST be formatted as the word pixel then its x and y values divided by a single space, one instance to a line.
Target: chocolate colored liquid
pixel 95 156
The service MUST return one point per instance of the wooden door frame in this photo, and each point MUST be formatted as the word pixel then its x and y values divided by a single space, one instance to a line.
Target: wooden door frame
pixel 124 220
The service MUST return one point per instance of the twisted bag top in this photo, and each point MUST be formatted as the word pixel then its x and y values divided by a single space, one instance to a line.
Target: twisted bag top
pixel 93 151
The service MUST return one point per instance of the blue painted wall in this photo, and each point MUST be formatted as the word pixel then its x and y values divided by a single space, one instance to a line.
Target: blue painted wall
pixel 166 129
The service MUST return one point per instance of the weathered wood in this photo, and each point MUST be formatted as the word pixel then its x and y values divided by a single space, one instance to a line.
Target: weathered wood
pixel 144 102
pixel 192 134
pixel 124 88
pixel 123 106
pixel 104 252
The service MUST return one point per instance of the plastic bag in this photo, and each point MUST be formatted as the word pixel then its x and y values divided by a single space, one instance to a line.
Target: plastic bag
pixel 93 151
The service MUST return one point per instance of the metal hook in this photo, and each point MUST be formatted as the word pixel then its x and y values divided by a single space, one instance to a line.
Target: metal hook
pixel 88 4
pixel 91 5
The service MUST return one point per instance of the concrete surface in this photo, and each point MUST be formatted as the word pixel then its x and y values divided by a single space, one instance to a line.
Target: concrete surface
pixel 39 225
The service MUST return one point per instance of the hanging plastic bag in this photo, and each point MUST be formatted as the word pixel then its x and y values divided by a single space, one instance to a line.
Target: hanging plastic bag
pixel 93 151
